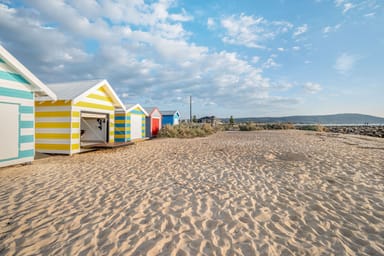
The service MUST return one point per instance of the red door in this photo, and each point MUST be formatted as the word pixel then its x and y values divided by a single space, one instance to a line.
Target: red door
pixel 155 126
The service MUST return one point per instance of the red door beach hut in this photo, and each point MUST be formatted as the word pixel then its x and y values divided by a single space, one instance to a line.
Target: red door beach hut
pixel 130 123
pixel 153 121
pixel 18 88
pixel 83 115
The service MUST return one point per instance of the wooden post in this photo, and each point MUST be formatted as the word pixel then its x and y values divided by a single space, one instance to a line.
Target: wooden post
pixel 190 109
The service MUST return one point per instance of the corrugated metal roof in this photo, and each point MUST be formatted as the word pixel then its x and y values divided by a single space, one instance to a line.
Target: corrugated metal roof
pixel 71 90
pixel 149 109
pixel 168 112
pixel 129 106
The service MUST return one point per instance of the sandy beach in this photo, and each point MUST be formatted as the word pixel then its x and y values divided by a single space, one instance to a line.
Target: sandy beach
pixel 233 193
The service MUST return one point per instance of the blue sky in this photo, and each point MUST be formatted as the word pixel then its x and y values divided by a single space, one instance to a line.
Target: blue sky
pixel 241 58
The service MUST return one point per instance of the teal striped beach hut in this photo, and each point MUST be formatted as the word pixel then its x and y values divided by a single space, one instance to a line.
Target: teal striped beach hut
pixel 130 123
pixel 18 87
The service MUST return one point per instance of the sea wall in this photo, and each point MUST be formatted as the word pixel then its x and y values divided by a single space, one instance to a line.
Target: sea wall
pixel 375 131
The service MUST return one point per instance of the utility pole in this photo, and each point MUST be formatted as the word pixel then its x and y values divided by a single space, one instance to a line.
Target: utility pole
pixel 190 109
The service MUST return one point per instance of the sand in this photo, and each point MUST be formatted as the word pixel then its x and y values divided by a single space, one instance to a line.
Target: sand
pixel 233 193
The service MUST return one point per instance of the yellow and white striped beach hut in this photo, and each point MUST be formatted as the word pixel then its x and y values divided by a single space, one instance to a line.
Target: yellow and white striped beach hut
pixel 18 88
pixel 83 114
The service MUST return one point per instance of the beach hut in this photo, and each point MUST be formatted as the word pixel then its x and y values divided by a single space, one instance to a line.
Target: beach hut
pixel 170 117
pixel 152 121
pixel 130 123
pixel 82 116
pixel 18 87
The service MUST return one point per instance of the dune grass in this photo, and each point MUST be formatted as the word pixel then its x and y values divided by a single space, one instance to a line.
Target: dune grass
pixel 186 131
pixel 201 130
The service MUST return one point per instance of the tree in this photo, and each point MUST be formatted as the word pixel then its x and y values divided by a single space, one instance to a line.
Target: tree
pixel 194 119
pixel 231 121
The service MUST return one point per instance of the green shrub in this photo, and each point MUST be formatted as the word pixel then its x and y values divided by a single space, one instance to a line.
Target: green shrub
pixel 207 128
pixel 278 126
pixel 316 128
pixel 287 126
pixel 168 131
pixel 250 126
pixel 247 127
pixel 186 131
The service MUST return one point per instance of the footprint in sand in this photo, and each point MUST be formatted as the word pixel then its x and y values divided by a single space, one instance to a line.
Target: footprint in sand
pixel 270 156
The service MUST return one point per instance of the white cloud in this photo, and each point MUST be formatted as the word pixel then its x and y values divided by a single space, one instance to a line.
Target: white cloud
pixel 51 46
pixel 251 31
pixel 282 85
pixel 280 49
pixel 4 8
pixel 339 2
pixel 347 7
pixel 296 48
pixel 89 8
pixel 371 14
pixel 169 31
pixel 345 63
pixel 331 29
pixel 160 9
pixel 360 7
pixel 327 29
pixel 271 63
pixel 312 88
pixel 255 59
pixel 142 49
pixel 300 30
pixel 183 17
pixel 243 30
pixel 71 19
pixel 211 23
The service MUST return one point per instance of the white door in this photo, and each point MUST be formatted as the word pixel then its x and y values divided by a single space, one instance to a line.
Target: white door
pixel 176 121
pixel 9 131
pixel 135 126
pixel 93 127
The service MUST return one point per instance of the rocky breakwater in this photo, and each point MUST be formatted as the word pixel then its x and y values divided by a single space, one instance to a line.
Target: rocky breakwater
pixel 374 130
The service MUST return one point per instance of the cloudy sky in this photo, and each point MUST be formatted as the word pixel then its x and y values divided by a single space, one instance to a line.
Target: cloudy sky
pixel 241 58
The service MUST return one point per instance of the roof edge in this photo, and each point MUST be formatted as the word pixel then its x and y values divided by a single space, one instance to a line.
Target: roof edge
pixel 153 110
pixel 173 111
pixel 139 106
pixel 28 75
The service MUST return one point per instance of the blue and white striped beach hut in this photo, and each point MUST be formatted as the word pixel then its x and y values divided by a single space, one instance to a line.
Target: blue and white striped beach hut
pixel 171 117
pixel 18 87
pixel 130 123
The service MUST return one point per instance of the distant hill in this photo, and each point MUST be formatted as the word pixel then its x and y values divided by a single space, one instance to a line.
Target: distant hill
pixel 355 119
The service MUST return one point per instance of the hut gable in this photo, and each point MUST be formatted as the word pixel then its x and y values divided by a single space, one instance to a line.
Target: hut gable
pixel 14 85
pixel 95 99
pixel 136 109
pixel 153 112
pixel 11 70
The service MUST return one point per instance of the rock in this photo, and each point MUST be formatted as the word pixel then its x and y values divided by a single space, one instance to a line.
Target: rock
pixel 374 131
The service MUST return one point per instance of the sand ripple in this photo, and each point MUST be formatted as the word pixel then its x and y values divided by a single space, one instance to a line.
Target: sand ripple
pixel 250 193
